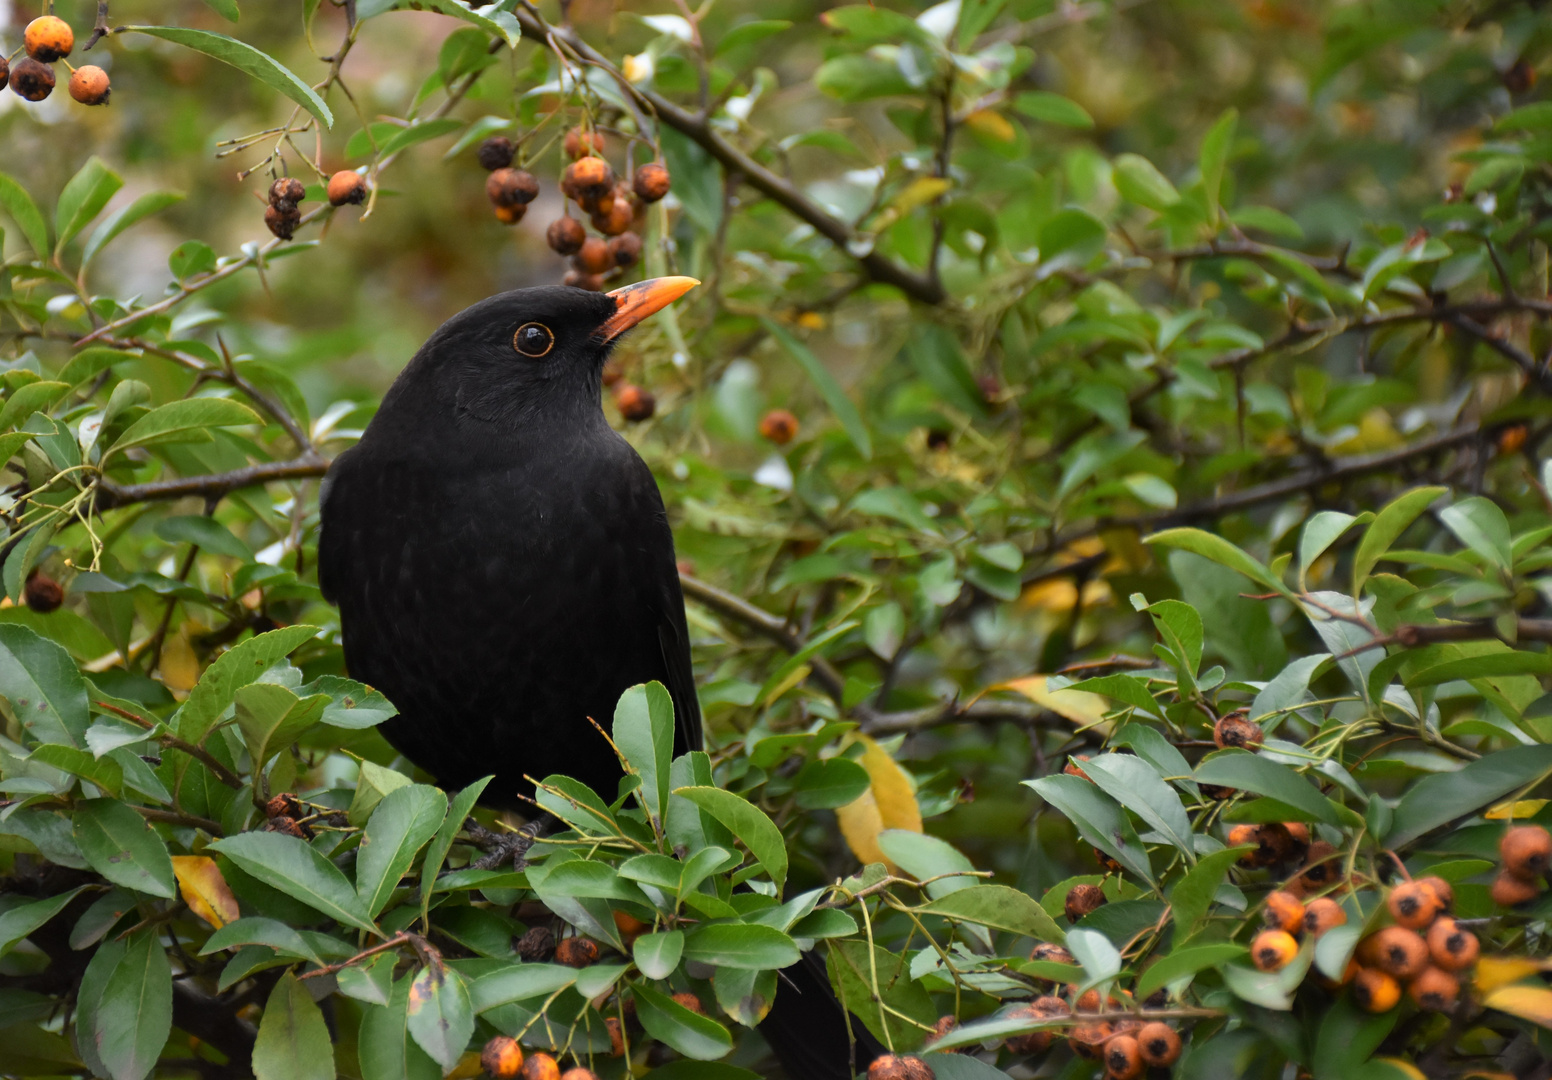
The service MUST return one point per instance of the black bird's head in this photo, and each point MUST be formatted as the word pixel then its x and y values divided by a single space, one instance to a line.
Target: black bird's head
pixel 525 354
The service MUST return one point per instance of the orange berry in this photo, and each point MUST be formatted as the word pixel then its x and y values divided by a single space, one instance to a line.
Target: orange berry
pixel 629 926
pixel 502 1057
pixel 1398 951
pixel 1322 914
pixel 541 1067
pixel 1272 950
pixel 690 1001
pixel 651 182
pixel 1247 835
pixel 1049 950
pixel 579 1073
pixel 1123 1059
pixel 625 250
pixel 779 426
pixel 1088 1040
pixel 1072 768
pixel 1375 991
pixel 580 142
pixel 1511 890
pixel 1235 730
pixel 1035 1042
pixel 346 187
pixel 1284 911
pixel 1511 438
pixel 89 85
pixel 944 1025
pixel 593 257
pixel 577 952
pixel 589 178
pixel 1526 851
pixel 509 215
pixel 900 1067
pixel 1158 1044
pixel 1451 946
pixel 1412 905
pixel 48 38
pixel 1441 889
pixel 635 403
pixel 616 1036
pixel 1322 867
pixel 1434 989
pixel 1082 899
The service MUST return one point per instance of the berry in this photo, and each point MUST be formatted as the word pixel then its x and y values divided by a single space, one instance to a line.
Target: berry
pixel 580 279
pixel 1034 1042
pixel 1088 1040
pixel 635 403
pixel 617 219
pixel 1272 950
pixel 577 952
pixel 1451 946
pixel 347 186
pixel 1281 842
pixel 579 1073
pixel 48 38
pixel 651 182
pixel 1375 991
pixel 541 1067
pixel 625 249
pixel 511 187
pixel 509 215
pixel 1072 768
pixel 280 222
pixel 502 1057
pixel 1511 438
pixel 1284 912
pixel 900 1067
pixel 1235 730
pixel 5 71
pixel 588 179
pixel 616 1036
pixel 1519 77
pixel 1123 1058
pixel 283 805
pixel 690 1001
pixel 89 85
pixel 779 426
pixel 629 926
pixel 1053 952
pixel 495 153
pixel 1322 867
pixel 1434 990
pixel 1217 792
pixel 580 143
pixel 593 257
pixel 1526 851
pixel 1322 914
pixel 1412 905
pixel 1248 835
pixel 1510 890
pixel 944 1025
pixel 1158 1044
pixel 565 236
pixel 1442 892
pixel 287 189
pixel 1399 952
pixel 537 945
pixel 42 593
pixel 32 79
pixel 1106 863
pixel 1082 899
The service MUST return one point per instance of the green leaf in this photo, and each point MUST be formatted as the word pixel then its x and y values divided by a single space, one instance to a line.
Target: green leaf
pixel 1347 1037
pixel 82 199
pixel 853 968
pixel 999 908
pixel 1214 156
pixel 1254 773
pixel 371 982
pixel 17 922
pixel 643 729
pixel 292 866
pixel 32 398
pixel 352 705
pixel 1183 962
pixel 293 1041
pixel 826 785
pixel 1136 785
pixel 828 388
pixel 749 946
pixel 1483 666
pixel 152 202
pixel 233 669
pixel 134 1016
pixel 1219 550
pixel 190 258
pixel 690 1033
pixel 924 856
pixel 747 822
pixel 245 58
pixel 439 1014
pixel 938 359
pixel 519 982
pixel 271 718
pixel 749 33
pixel 1480 524
pixel 46 690
pixel 122 847
pixel 1193 894
pixel 15 201
pixel 372 783
pixel 257 930
pixel 1435 800
pixel 208 533
pixel 385 1048
pixel 1320 532
pixel 227 9
pixel 1053 109
pixel 1139 181
pixel 1386 529
pixel 399 827
pixel 104 772
pixel 442 843
pixel 183 421
pixel 657 955
pixel 1098 819
pixel 403 138
pixel 1127 689
pixel 1095 952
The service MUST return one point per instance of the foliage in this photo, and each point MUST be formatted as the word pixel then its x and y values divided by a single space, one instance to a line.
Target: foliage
pixel 1154 365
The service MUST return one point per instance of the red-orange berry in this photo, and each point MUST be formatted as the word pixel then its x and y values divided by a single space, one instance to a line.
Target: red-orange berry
pixel 1284 911
pixel 1451 946
pixel 1123 1059
pixel 1412 905
pixel 1235 730
pixel 1322 914
pixel 580 142
pixel 541 1067
pixel 593 256
pixel 1398 951
pixel 1273 950
pixel 1158 1044
pixel 1434 989
pixel 89 85
pixel 48 38
pixel 1526 851
pixel 1375 991
pixel 346 187
pixel 502 1058
pixel 779 426
pixel 1511 890
pixel 651 182
pixel 577 952
pixel 635 403
pixel 900 1067
pixel 625 250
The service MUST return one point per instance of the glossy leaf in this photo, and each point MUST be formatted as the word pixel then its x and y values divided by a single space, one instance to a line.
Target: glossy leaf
pixel 747 822
pixel 122 847
pixel 293 1041
pixel 245 58
pixel 290 865
pixel 439 1015
pixel 134 1016
pixel 402 823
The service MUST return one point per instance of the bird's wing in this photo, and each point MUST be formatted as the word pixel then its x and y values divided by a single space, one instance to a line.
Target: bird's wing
pixel 673 637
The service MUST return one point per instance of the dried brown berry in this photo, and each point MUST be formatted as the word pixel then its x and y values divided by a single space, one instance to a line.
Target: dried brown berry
pixel 1281 843
pixel 1398 951
pixel 565 236
pixel 1322 867
pixel 779 426
pixel 89 85
pixel 616 220
pixel 509 215
pixel 579 142
pixel 1106 863
pixel 1123 1058
pixel 1322 914
pixel 1434 989
pixel 1412 906
pixel 1158 1044
pixel 635 403
pixel 502 1057
pixel 593 257
pixel 289 827
pixel 537 945
pixel 577 952
pixel 1511 890
pixel 1088 1040
pixel 900 1067
pixel 589 178
pixel 32 79
pixel 1049 950
pixel 1375 991
pixel 284 805
pixel 1284 911
pixel 1526 851
pixel 347 187
pixel 48 38
pixel 5 71
pixel 651 182
pixel 280 222
pixel 581 279
pixel 1519 77
pixel 495 153
pixel 1235 730
pixel 511 187
pixel 1451 946
pixel 541 1066
pixel 625 249
pixel 42 593
pixel 616 1036
pixel 1272 950
pixel 288 189
pixel 1082 899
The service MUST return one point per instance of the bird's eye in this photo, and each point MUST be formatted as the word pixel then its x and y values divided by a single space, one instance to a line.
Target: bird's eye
pixel 533 339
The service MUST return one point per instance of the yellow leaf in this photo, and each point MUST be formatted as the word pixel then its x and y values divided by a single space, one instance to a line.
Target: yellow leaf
pixel 991 124
pixel 889 803
pixel 468 1067
pixel 1522 808
pixel 1533 1003
pixel 179 665
pixel 919 192
pixel 1405 1068
pixel 1496 971
pixel 204 889
pixel 1079 706
pixel 1053 594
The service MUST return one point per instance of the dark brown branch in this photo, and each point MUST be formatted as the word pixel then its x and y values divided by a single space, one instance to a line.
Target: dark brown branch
pixel 763 622
pixel 100 30
pixel 172 742
pixel 173 817
pixel 1413 636
pixel 211 485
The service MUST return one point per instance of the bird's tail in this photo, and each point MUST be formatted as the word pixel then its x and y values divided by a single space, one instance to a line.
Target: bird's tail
pixel 806 1027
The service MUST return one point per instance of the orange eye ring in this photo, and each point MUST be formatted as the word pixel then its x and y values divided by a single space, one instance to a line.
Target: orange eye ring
pixel 527 347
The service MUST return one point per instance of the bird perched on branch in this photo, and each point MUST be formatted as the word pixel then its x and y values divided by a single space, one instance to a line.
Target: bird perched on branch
pixel 504 570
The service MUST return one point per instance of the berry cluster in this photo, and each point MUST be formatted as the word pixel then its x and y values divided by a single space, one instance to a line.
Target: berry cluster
pixel 284 212
pixel 503 1059
pixel 49 39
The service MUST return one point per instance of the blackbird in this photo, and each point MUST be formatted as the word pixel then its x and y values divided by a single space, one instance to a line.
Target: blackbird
pixel 504 570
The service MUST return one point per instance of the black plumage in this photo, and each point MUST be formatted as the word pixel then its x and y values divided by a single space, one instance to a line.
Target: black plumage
pixel 504 570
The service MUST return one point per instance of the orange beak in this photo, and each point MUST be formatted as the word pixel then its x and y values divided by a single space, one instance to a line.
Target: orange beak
pixel 635 302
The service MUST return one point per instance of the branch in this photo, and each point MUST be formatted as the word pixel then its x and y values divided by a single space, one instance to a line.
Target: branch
pixel 211 485
pixel 697 128
pixel 172 742
pixel 777 630
pixel 1412 637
